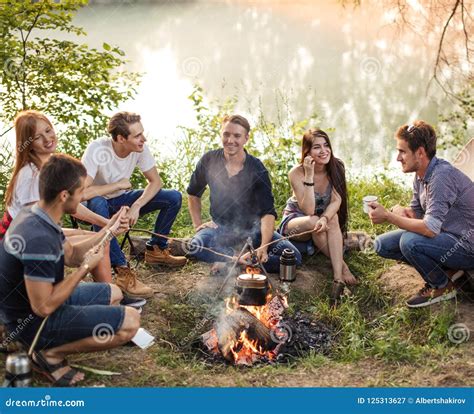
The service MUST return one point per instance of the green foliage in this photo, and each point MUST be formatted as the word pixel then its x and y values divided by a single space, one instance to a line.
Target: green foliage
pixel 388 192
pixel 277 144
pixel 457 125
pixel 194 142
pixel 70 82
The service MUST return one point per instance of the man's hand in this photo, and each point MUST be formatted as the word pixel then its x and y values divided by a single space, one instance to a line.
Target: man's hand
pixel 262 256
pixel 93 256
pixel 124 184
pixel 402 211
pixel 133 215
pixel 377 213
pixel 119 223
pixel 321 225
pixel 208 225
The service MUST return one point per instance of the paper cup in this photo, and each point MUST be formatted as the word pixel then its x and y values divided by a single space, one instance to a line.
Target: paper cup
pixel 366 200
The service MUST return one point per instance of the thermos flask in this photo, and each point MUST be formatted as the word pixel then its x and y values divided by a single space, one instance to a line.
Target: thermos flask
pixel 17 370
pixel 288 266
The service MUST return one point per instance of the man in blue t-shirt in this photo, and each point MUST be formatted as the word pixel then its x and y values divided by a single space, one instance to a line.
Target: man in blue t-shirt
pixel 241 198
pixel 82 317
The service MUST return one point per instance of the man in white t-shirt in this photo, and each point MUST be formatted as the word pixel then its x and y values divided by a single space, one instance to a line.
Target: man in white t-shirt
pixel 110 163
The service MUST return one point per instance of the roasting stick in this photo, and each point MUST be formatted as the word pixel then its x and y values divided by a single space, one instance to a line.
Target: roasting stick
pixel 213 251
pixel 182 241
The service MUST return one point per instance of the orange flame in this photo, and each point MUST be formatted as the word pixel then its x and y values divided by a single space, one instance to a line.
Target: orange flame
pixel 250 270
pixel 246 351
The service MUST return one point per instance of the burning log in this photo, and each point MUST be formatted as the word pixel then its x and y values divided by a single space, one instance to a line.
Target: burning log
pixel 242 325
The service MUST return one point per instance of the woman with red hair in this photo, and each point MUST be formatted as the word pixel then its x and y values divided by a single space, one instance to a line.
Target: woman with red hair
pixel 35 142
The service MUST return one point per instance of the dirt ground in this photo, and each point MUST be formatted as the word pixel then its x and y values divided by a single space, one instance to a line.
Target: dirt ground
pixel 165 364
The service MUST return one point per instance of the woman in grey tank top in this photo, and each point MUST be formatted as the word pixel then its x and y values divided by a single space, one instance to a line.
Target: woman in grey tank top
pixel 319 202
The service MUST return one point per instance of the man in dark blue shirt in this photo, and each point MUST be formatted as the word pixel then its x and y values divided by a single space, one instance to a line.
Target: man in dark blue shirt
pixel 33 287
pixel 241 200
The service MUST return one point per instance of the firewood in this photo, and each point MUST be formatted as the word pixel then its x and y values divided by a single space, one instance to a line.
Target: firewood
pixel 231 326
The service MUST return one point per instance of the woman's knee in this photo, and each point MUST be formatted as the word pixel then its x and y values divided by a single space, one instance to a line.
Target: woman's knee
pixel 311 221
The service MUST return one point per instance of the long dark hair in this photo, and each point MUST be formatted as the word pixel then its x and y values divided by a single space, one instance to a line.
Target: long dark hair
pixel 336 173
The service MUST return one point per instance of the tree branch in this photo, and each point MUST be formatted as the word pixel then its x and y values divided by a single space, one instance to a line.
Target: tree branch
pixel 466 36
pixel 443 34
pixel 24 40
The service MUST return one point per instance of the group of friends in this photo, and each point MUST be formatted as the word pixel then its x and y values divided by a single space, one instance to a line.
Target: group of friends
pixel 435 235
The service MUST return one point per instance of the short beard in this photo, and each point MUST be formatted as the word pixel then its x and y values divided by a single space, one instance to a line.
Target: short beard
pixel 68 206
pixel 415 168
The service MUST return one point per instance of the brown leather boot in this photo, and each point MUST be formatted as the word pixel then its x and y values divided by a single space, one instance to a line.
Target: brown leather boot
pixel 163 257
pixel 126 279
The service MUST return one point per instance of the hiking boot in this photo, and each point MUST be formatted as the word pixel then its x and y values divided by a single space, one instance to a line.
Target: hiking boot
pixel 429 295
pixel 126 279
pixel 155 255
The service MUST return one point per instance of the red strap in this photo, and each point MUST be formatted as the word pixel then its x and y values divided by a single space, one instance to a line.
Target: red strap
pixel 5 223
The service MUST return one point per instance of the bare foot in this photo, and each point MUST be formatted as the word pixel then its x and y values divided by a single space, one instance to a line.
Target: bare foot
pixel 347 275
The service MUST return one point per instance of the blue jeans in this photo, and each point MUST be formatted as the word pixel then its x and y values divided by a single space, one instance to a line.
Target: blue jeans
pixel 429 256
pixel 167 201
pixel 87 312
pixel 222 239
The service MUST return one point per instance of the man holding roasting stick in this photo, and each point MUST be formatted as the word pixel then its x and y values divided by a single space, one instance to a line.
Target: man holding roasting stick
pixel 82 317
pixel 437 230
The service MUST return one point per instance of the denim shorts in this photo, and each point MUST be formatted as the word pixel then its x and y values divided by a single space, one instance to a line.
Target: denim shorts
pixel 87 312
pixel 283 228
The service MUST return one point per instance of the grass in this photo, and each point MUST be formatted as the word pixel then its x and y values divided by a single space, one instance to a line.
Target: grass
pixel 377 340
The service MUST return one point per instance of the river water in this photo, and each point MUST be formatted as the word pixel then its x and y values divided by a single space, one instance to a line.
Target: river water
pixel 289 58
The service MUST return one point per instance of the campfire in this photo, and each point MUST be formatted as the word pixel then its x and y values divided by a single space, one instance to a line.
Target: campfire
pixel 250 329
pixel 253 326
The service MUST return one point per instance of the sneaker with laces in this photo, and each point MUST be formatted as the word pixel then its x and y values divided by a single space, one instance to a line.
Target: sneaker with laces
pixel 429 295
pixel 136 303
pixel 126 279
pixel 155 255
